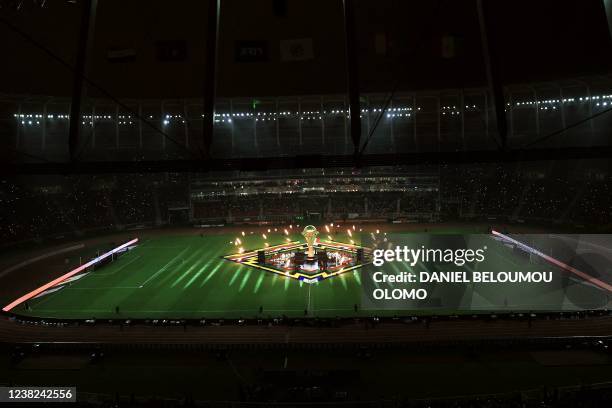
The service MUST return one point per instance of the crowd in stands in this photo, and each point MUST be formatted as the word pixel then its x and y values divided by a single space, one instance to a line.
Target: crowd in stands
pixel 330 206
pixel 36 208
pixel 243 206
pixel 209 209
pixel 314 203
pixel 573 195
pixel 388 203
pixel 347 203
pixel 277 204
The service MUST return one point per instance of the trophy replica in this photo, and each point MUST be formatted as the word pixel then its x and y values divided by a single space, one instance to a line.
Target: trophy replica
pixel 310 235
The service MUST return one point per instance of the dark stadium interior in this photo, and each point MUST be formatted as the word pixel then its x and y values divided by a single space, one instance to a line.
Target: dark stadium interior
pixel 224 127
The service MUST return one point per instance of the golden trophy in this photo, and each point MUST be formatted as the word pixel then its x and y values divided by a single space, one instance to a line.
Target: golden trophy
pixel 310 235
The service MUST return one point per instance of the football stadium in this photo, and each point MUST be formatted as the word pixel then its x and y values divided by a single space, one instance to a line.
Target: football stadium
pixel 278 203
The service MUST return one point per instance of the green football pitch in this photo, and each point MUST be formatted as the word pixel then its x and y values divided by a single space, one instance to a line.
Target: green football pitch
pixel 186 277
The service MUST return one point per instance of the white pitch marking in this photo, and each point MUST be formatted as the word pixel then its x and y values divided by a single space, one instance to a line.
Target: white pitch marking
pixel 163 268
pixel 106 287
pixel 120 268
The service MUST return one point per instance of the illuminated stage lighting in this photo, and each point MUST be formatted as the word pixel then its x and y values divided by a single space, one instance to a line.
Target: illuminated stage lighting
pixel 330 259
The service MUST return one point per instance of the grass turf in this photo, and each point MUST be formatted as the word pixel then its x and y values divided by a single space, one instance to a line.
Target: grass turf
pixel 185 277
pixel 180 277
